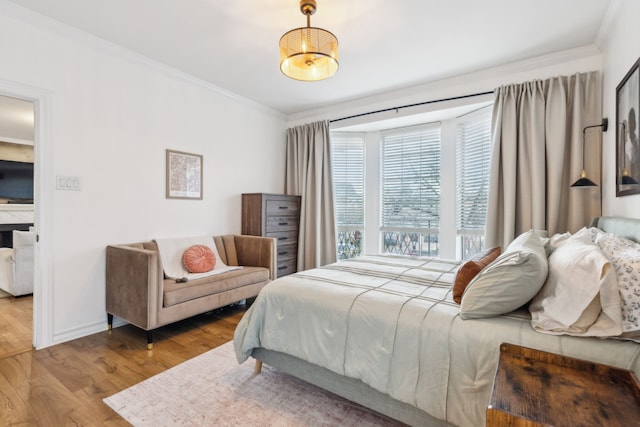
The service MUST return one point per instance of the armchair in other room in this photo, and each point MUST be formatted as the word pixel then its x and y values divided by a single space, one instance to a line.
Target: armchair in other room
pixel 17 264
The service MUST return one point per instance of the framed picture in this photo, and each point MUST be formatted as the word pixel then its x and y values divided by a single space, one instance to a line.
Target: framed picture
pixel 627 144
pixel 184 175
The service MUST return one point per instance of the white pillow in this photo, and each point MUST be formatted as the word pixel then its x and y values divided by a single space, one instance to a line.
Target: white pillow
pixel 624 254
pixel 580 296
pixel 509 282
pixel 552 243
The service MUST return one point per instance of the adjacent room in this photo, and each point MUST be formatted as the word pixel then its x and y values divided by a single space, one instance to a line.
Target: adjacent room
pixel 319 212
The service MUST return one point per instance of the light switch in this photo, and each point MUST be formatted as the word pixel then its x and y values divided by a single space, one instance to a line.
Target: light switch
pixel 69 183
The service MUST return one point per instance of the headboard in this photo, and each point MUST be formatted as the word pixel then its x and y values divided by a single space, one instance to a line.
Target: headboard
pixel 627 227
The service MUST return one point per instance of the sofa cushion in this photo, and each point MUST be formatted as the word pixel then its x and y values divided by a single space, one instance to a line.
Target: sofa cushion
pixel 176 293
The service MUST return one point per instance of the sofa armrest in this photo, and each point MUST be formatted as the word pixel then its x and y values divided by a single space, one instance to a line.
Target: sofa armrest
pixel 257 251
pixel 134 285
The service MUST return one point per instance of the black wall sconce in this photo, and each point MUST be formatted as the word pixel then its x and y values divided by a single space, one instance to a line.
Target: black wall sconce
pixel 583 181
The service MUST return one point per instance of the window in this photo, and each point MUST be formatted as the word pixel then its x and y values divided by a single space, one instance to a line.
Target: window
pixel 426 185
pixel 348 179
pixel 411 190
pixel 473 151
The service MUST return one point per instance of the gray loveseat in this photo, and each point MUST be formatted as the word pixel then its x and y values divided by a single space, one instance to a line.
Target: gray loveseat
pixel 138 292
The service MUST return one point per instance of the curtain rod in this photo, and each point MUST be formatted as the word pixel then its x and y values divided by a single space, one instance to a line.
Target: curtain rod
pixel 411 105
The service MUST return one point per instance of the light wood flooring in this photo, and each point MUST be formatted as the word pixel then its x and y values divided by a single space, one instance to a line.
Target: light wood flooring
pixel 16 325
pixel 65 384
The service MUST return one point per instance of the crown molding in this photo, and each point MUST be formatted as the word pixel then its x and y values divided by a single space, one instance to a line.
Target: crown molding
pixel 479 81
pixel 51 25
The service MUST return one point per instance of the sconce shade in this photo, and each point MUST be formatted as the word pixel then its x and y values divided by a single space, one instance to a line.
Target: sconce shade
pixel 308 53
pixel 583 181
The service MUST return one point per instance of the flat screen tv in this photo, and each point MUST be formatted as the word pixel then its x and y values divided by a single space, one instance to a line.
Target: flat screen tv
pixel 16 182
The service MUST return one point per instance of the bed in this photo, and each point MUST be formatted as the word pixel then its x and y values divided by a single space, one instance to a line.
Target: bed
pixel 384 332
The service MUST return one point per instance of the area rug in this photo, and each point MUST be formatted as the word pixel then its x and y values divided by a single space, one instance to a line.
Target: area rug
pixel 213 389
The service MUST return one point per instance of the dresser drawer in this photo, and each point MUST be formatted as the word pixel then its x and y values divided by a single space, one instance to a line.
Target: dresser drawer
pixel 287 267
pixel 281 223
pixel 285 237
pixel 287 252
pixel 282 207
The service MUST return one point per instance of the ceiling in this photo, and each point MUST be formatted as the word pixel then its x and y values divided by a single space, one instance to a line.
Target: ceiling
pixel 384 45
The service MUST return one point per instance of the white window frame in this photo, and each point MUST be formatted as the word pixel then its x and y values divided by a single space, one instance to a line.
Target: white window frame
pixel 449 241
pixel 350 237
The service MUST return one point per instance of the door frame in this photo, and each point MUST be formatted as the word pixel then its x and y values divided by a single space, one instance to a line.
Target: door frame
pixel 43 204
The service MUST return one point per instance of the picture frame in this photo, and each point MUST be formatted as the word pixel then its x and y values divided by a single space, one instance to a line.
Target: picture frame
pixel 627 133
pixel 183 175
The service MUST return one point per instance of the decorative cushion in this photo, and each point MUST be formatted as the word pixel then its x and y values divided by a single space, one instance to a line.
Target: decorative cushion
pixel 471 268
pixel 624 254
pixel 580 296
pixel 509 282
pixel 198 259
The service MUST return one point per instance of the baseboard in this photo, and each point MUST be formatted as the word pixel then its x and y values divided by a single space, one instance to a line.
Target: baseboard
pixel 79 332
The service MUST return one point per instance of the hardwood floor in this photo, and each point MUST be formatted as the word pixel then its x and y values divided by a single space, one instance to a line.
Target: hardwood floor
pixel 16 325
pixel 65 384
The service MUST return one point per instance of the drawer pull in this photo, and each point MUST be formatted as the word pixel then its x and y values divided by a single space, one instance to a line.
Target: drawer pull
pixel 284 267
pixel 283 223
pixel 282 253
pixel 283 207
pixel 283 238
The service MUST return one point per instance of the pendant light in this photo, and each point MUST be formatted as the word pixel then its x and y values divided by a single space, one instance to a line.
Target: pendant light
pixel 308 53
pixel 584 181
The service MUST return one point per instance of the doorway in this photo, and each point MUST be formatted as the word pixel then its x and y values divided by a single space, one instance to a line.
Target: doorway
pixel 17 218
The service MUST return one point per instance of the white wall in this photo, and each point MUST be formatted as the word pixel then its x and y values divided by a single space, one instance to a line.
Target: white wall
pixel 621 50
pixel 111 115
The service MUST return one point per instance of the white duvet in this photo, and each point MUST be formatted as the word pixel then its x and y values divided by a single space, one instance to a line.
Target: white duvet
pixel 391 322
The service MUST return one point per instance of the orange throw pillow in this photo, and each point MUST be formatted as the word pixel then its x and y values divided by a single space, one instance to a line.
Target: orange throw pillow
pixel 471 268
pixel 199 259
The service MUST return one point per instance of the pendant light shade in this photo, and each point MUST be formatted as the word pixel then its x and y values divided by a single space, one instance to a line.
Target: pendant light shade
pixel 308 53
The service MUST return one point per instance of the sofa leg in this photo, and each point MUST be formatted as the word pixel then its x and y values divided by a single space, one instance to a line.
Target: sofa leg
pixel 109 322
pixel 258 367
pixel 149 340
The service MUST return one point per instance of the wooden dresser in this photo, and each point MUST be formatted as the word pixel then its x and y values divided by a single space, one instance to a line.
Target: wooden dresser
pixel 278 216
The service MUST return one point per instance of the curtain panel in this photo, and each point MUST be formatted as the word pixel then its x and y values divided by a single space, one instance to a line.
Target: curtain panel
pixel 537 154
pixel 308 174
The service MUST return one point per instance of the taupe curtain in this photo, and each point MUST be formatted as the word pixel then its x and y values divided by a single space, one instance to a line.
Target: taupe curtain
pixel 537 155
pixel 308 174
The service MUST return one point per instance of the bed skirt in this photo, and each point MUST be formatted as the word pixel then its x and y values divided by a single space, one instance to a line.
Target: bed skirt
pixel 348 388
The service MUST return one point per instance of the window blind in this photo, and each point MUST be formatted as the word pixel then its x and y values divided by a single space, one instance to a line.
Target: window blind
pixel 473 153
pixel 411 178
pixel 348 178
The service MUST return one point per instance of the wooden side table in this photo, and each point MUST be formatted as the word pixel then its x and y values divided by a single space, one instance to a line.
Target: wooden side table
pixel 536 388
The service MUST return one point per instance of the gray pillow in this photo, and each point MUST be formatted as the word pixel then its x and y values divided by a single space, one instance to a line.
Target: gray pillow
pixel 509 282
